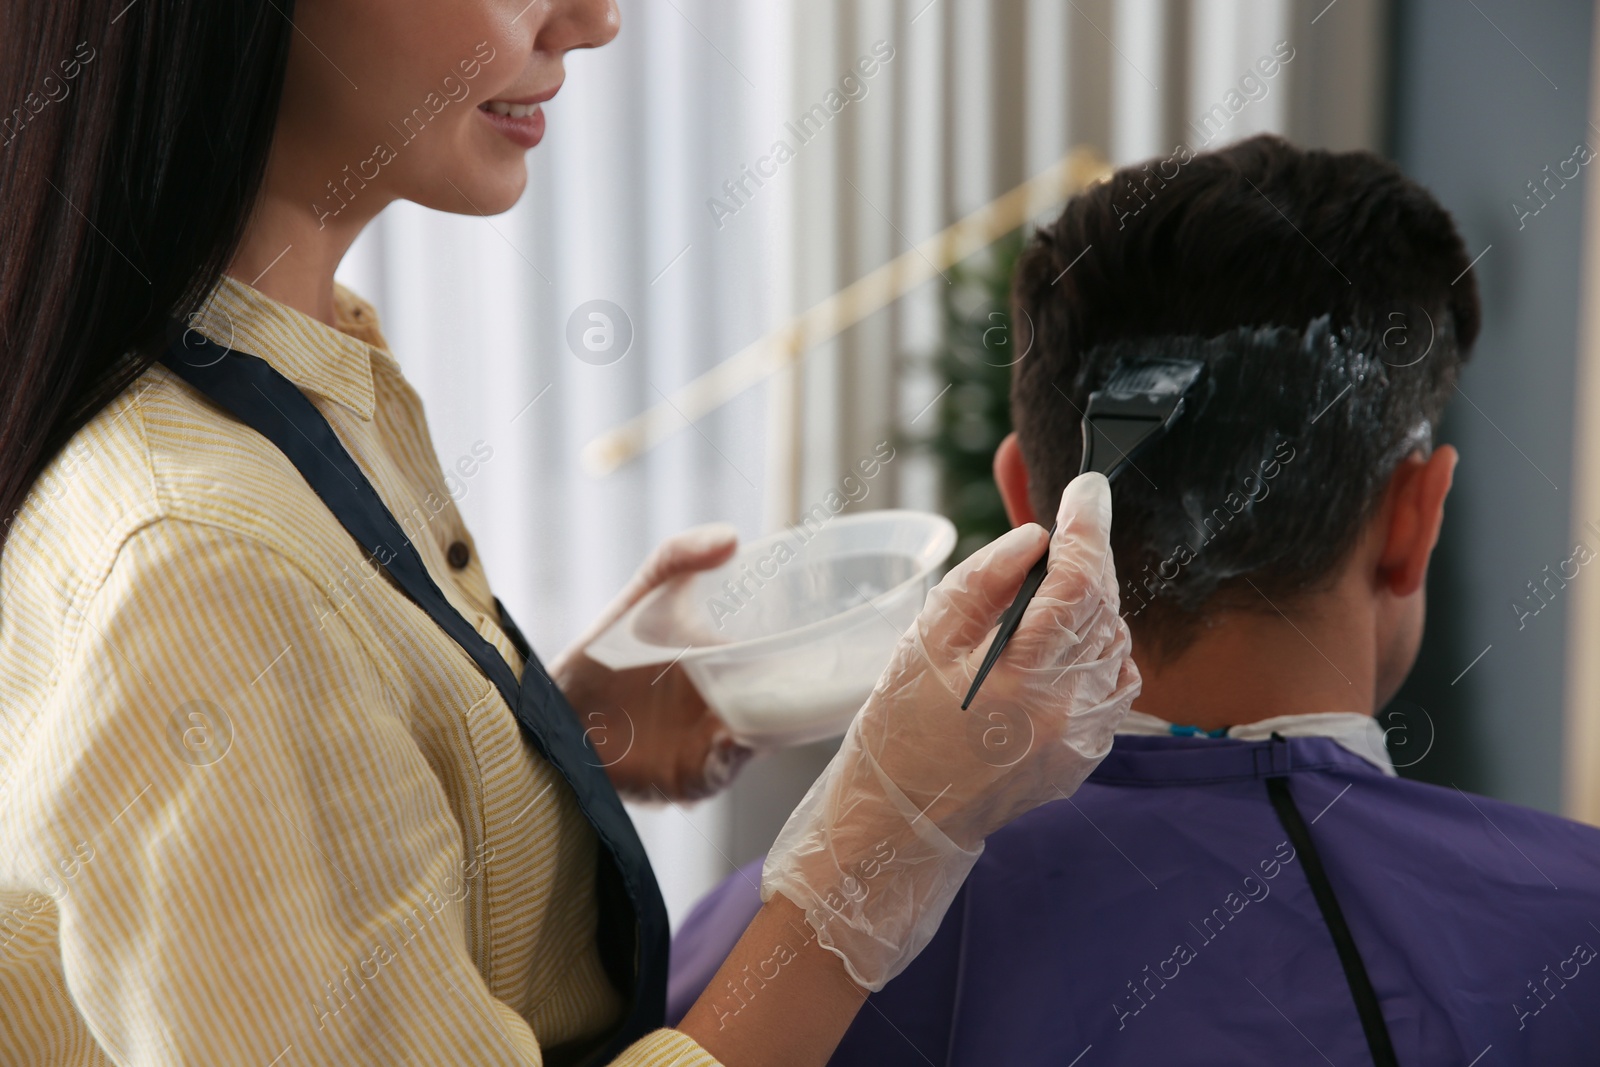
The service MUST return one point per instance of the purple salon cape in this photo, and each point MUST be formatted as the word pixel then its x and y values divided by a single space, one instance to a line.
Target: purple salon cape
pixel 1161 915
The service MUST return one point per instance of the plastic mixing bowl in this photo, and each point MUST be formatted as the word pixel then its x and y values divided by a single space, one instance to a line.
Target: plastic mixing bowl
pixel 786 640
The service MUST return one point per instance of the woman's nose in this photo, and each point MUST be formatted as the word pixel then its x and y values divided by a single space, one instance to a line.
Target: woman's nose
pixel 579 24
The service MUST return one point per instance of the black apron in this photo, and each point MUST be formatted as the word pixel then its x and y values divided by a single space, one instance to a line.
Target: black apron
pixel 633 931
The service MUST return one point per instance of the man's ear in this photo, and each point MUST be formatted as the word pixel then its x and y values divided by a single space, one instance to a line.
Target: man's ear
pixel 1011 475
pixel 1414 513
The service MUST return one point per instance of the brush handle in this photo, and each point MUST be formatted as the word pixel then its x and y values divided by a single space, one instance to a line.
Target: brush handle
pixel 1011 619
pixel 1132 430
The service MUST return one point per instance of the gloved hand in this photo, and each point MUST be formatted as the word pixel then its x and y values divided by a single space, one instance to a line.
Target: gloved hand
pixel 653 732
pixel 886 835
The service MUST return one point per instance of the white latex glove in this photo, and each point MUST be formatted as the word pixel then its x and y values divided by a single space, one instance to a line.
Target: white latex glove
pixel 886 835
pixel 651 729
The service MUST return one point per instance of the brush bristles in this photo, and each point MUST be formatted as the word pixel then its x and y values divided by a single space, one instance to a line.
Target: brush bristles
pixel 1154 377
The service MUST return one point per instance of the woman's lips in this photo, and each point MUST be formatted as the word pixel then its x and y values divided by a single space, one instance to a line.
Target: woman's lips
pixel 522 123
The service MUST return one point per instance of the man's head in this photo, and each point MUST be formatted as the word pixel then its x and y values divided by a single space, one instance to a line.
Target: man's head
pixel 1332 300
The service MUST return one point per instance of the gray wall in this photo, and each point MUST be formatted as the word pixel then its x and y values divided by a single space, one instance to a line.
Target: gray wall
pixel 1480 108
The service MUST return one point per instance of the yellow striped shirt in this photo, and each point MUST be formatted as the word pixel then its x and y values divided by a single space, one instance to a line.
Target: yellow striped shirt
pixel 255 807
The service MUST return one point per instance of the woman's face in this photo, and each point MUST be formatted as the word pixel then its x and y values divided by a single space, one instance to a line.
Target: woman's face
pixel 434 101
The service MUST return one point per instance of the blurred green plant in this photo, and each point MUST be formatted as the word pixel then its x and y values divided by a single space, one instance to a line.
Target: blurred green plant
pixel 975 358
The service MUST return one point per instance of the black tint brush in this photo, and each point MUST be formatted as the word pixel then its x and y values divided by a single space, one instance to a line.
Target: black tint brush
pixel 1134 409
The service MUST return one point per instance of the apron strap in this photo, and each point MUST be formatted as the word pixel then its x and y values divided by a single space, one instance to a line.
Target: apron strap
pixel 634 955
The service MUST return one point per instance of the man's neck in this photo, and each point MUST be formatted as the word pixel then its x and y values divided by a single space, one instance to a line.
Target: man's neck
pixel 1247 666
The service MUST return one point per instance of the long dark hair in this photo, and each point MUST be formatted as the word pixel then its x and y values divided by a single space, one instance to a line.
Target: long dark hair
pixel 133 143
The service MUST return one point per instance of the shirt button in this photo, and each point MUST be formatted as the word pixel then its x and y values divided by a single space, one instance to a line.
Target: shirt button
pixel 457 554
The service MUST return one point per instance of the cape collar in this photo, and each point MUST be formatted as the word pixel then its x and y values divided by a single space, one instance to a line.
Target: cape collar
pixel 1357 734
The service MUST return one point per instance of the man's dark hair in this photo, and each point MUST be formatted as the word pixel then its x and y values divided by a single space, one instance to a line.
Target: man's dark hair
pixel 1333 302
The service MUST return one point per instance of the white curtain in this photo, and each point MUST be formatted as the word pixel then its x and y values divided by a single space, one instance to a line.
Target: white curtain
pixel 622 206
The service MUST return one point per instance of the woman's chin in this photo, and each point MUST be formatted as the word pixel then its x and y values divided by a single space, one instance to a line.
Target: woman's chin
pixel 491 186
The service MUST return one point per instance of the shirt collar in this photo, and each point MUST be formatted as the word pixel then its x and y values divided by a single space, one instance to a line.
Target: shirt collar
pixel 316 357
pixel 1350 730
